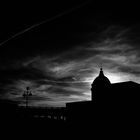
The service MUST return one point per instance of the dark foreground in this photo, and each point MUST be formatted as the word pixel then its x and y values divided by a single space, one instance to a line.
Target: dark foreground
pixel 100 121
pixel 95 127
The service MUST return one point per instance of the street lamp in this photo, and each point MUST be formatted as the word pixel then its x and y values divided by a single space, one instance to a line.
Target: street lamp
pixel 26 95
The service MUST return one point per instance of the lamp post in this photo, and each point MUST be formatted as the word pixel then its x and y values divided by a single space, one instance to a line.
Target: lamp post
pixel 26 95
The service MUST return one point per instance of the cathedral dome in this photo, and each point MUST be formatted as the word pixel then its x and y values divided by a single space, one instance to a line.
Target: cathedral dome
pixel 101 80
pixel 100 85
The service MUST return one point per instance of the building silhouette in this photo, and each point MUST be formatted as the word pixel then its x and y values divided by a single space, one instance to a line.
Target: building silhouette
pixel 100 84
pixel 114 106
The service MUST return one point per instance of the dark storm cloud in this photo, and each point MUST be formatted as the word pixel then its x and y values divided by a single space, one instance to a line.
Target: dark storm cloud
pixel 67 76
pixel 59 59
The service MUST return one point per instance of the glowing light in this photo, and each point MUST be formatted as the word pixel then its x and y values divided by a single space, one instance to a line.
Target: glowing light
pixel 114 78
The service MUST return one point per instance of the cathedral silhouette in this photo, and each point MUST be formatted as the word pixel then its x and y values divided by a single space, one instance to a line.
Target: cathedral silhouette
pixel 112 105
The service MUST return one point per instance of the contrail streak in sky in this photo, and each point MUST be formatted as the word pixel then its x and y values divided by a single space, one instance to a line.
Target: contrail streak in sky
pixel 45 21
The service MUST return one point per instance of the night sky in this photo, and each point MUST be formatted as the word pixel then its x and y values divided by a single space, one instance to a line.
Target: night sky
pixel 56 48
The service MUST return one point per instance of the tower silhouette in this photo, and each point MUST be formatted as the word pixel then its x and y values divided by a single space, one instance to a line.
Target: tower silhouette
pixel 99 85
pixel 26 95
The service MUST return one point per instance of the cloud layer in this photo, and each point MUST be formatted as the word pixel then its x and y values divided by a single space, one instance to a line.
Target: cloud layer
pixel 67 77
